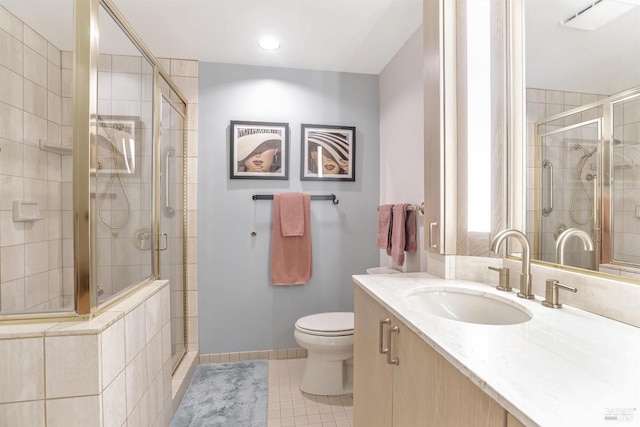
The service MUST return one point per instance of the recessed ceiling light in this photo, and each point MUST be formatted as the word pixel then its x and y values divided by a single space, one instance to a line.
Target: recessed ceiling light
pixel 269 43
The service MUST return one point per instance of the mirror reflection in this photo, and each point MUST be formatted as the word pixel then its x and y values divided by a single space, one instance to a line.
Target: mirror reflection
pixel 583 133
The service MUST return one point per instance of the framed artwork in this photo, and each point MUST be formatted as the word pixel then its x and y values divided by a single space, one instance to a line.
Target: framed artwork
pixel 117 144
pixel 259 150
pixel 328 153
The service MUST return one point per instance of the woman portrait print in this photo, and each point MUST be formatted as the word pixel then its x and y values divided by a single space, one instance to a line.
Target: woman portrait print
pixel 328 153
pixel 259 153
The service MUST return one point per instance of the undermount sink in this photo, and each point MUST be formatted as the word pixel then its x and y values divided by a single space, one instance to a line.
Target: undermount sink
pixel 468 306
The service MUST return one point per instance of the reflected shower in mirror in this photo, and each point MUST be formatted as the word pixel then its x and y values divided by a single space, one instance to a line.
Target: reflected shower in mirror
pixel 583 133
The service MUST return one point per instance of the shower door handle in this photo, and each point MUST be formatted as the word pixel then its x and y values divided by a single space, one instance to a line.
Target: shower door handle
pixel 595 232
pixel 166 242
pixel 546 164
pixel 168 210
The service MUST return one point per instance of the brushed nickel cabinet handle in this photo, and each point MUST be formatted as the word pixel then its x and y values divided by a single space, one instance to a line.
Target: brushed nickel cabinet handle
pixel 381 348
pixel 395 360
pixel 431 227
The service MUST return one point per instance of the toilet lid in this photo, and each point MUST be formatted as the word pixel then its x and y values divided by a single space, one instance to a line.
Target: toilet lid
pixel 338 323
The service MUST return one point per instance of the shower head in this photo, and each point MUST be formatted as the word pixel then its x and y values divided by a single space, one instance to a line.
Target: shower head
pixel 586 153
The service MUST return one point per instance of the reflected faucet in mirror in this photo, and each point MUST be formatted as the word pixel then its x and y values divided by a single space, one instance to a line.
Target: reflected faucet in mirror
pixel 525 275
pixel 566 235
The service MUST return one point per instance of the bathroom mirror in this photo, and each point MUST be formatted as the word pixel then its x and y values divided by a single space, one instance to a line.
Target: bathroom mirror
pixel 582 162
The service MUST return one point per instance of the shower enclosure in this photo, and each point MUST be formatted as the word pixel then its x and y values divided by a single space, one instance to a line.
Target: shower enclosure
pixel 92 165
pixel 589 178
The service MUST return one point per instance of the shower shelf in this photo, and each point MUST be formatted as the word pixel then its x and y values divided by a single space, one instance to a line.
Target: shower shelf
pixel 623 165
pixel 103 195
pixel 25 211
pixel 56 149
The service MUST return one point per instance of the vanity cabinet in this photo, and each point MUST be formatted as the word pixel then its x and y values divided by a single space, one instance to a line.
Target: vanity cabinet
pixel 423 389
pixel 372 376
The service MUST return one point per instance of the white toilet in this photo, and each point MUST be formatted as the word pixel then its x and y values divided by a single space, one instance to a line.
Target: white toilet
pixel 328 339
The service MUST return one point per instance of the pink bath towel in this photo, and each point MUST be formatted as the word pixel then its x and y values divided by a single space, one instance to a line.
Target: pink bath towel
pixel 292 214
pixel 383 239
pixel 410 244
pixel 291 255
pixel 398 232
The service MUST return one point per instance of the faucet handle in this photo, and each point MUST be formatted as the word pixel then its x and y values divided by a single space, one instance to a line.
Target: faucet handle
pixel 551 293
pixel 503 279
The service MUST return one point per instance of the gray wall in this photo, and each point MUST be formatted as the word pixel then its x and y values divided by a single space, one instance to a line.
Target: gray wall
pixel 402 132
pixel 239 309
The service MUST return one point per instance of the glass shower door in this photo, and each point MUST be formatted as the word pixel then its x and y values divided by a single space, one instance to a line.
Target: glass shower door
pixel 621 243
pixel 172 215
pixel 569 190
pixel 122 204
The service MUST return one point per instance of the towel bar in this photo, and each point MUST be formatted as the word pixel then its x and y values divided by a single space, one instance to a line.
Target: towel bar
pixel 417 208
pixel 331 197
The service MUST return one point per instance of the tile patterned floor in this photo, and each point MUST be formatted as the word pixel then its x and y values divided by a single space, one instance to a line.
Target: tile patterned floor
pixel 288 406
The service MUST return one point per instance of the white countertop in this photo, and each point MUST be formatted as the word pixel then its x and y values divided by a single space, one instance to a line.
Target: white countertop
pixel 564 367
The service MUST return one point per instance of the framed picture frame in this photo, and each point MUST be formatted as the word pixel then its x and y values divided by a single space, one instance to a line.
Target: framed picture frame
pixel 328 153
pixel 258 150
pixel 118 145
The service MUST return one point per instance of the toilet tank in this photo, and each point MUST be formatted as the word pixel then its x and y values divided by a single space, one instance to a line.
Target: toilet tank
pixel 382 270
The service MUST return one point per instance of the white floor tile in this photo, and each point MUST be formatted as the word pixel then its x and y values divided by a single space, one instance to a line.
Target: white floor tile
pixel 288 406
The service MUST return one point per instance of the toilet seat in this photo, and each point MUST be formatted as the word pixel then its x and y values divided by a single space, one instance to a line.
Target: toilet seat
pixel 326 324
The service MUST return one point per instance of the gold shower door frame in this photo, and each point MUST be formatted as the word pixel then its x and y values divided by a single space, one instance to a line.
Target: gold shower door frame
pixel 85 119
pixel 604 250
pixel 597 208
pixel 166 96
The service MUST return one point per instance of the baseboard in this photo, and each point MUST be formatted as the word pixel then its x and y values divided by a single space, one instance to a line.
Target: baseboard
pixel 286 353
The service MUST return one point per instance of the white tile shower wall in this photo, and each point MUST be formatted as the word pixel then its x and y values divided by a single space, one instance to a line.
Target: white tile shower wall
pixel 36 106
pixel 80 367
pixel 31 109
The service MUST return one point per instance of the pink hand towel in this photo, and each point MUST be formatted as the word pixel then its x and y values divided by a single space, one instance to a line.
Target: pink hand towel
pixel 383 239
pixel 398 233
pixel 291 255
pixel 410 244
pixel 292 214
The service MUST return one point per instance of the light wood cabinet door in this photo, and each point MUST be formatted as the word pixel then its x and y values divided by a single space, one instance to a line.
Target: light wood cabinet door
pixel 430 391
pixel 413 383
pixel 372 376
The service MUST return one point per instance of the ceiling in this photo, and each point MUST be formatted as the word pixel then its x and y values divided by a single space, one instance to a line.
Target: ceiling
pixel 603 61
pixel 358 36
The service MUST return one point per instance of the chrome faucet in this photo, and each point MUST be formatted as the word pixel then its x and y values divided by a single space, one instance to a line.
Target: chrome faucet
pixel 568 233
pixel 525 276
